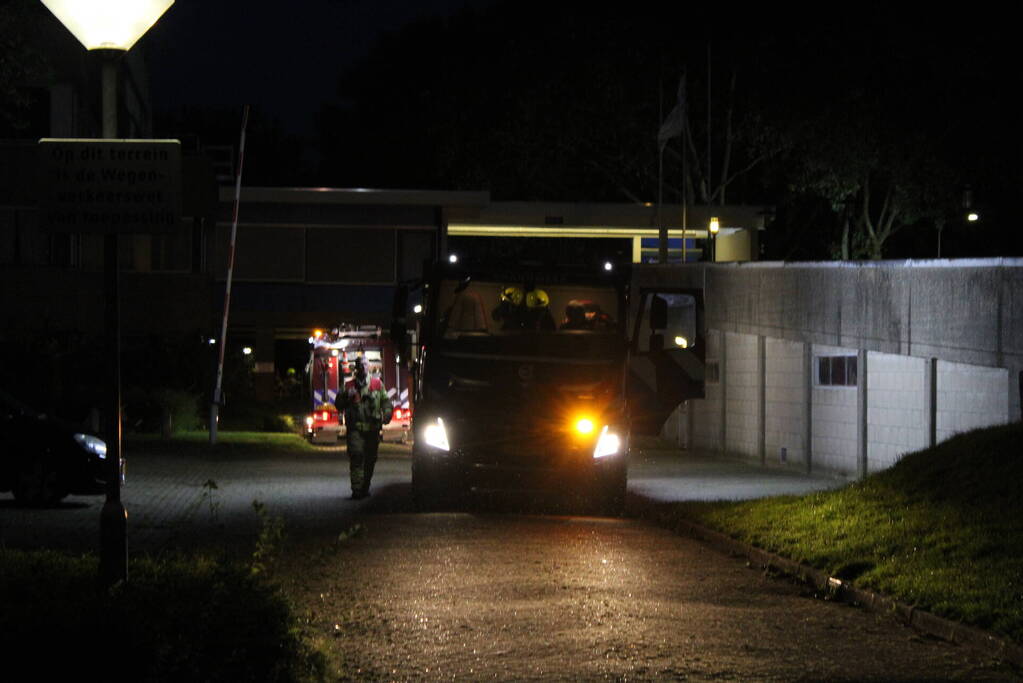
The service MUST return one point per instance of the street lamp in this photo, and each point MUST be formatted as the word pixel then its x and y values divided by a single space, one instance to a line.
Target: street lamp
pixel 715 226
pixel 111 27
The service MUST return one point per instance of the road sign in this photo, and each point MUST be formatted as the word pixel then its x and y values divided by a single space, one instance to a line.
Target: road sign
pixel 110 186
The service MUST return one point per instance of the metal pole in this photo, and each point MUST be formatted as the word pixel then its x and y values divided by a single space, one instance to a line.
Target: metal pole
pixel 113 525
pixel 685 198
pixel 218 387
pixel 662 231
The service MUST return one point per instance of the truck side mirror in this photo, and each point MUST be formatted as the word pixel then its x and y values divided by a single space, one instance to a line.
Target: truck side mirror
pixel 658 313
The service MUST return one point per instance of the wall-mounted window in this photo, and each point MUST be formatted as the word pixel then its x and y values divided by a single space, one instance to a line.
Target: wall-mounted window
pixel 836 371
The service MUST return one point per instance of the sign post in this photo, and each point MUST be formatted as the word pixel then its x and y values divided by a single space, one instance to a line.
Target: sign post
pixel 111 187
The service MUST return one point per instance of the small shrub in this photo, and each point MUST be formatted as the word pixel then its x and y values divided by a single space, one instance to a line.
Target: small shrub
pixel 271 533
pixel 280 422
pixel 177 618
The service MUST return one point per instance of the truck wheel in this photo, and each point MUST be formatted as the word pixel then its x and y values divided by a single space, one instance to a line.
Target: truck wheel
pixel 429 491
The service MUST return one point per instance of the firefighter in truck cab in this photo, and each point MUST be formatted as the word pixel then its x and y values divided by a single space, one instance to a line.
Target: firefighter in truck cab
pixel 366 408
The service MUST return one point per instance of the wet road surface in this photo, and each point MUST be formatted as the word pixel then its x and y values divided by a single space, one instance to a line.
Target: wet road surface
pixel 474 596
pixel 393 594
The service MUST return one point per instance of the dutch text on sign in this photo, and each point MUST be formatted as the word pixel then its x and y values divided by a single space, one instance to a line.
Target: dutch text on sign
pixel 110 186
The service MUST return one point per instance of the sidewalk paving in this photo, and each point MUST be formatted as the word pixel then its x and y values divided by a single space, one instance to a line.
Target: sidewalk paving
pixel 668 474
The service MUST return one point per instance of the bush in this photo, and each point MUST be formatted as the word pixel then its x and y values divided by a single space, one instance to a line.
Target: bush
pixel 144 409
pixel 280 422
pixel 182 618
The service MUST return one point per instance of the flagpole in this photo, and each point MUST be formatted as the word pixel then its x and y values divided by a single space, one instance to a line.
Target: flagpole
pixel 662 233
pixel 672 126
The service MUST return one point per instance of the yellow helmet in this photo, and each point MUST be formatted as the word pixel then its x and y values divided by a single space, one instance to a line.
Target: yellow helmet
pixel 537 298
pixel 512 295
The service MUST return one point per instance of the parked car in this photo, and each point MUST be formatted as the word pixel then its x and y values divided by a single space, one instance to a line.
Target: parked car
pixel 43 459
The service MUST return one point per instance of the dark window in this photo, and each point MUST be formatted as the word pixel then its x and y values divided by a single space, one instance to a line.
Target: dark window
pixel 836 371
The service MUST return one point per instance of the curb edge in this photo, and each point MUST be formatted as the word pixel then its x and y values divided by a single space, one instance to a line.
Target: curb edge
pixel 940 627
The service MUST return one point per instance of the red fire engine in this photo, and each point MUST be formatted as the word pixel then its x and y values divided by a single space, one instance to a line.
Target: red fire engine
pixel 329 357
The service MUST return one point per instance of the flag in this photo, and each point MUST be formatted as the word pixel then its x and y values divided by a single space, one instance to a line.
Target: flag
pixel 672 126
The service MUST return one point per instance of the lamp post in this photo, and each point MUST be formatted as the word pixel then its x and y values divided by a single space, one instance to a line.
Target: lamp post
pixel 713 228
pixel 111 27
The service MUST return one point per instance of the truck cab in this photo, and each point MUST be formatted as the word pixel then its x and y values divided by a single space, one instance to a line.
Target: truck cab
pixel 522 383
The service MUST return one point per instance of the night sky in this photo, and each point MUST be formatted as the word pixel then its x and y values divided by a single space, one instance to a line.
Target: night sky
pixel 282 58
pixel 290 61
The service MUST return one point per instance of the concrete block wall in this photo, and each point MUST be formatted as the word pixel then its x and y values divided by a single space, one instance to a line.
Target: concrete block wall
pixel 898 410
pixel 834 421
pixel 970 396
pixel 784 396
pixel 742 383
pixel 939 347
pixel 706 419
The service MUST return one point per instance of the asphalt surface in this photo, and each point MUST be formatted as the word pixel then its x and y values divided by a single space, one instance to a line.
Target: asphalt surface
pixel 389 593
pixel 184 502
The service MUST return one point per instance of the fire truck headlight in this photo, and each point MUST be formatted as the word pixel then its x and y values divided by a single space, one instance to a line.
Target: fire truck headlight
pixel 436 435
pixel 607 444
pixel 93 444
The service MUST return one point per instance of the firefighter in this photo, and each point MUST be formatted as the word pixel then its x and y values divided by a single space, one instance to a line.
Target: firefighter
pixel 509 310
pixel 538 310
pixel 366 408
pixel 524 310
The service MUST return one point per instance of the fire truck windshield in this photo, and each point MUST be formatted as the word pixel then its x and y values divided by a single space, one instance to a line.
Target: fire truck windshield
pixel 514 309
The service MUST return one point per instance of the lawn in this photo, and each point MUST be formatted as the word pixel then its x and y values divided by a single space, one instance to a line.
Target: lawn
pixel 228 442
pixel 941 530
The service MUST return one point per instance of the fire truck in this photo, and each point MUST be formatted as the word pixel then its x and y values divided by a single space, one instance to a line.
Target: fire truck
pixel 531 379
pixel 331 353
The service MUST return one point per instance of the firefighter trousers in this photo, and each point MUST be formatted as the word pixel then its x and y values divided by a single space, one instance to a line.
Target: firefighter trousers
pixel 362 458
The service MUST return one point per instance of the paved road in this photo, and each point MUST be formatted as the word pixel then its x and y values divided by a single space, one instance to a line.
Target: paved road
pixel 395 594
pixel 170 504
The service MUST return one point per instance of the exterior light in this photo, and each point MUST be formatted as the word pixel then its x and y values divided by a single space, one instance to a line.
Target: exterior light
pixel 453 258
pixel 584 425
pixel 417 309
pixel 108 24
pixel 681 342
pixel 211 341
pixel 608 266
pixel 333 352
pixel 247 350
pixel 715 225
pixel 972 217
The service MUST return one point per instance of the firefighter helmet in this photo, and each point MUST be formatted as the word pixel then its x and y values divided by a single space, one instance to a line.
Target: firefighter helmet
pixel 512 295
pixel 537 298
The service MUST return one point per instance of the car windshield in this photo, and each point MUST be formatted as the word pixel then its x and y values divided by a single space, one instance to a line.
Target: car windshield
pixel 473 308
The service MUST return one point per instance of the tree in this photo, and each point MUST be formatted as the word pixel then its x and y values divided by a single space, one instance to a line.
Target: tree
pixel 562 108
pixel 22 63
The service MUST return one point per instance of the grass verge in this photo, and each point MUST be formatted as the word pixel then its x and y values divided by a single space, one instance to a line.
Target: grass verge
pixel 198 442
pixel 942 529
pixel 181 618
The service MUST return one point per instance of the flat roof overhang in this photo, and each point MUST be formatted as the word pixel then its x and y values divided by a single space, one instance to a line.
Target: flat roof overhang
pixel 356 196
